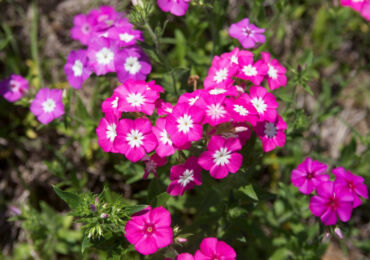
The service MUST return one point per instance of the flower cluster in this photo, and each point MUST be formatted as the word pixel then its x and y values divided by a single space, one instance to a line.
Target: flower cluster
pixel 178 7
pixel 231 112
pixel 111 42
pixel 333 199
pixel 361 6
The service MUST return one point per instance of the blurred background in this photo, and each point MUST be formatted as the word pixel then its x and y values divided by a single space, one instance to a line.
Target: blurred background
pixel 326 105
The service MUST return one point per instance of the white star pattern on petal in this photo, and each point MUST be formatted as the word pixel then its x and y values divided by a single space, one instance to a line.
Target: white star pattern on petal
pixel 132 65
pixel 272 72
pixel 184 123
pixel 215 111
pixel 186 177
pixel 250 70
pixel 104 56
pixel 135 138
pixel 125 37
pixel 48 105
pixel 111 132
pixel 222 157
pixel 135 99
pixel 241 110
pixel 221 75
pixel 165 138
pixel 259 104
pixel 77 68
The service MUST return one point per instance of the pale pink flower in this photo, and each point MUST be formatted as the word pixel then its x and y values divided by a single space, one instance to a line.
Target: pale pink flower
pixel 248 34
pixel 48 105
pixel 101 53
pixel 77 69
pixel 84 28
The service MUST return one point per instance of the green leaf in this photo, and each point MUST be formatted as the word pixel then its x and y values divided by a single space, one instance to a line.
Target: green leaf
pixel 70 198
pixel 308 89
pixel 162 198
pixel 133 209
pixel 86 243
pixel 249 191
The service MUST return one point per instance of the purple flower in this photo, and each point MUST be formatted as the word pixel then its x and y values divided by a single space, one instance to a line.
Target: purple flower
pixel 13 88
pixel 248 34
pixel 84 28
pixel 125 35
pixel 101 53
pixel 76 68
pixel 330 203
pixel 105 17
pixel 308 175
pixel 48 105
pixel 271 133
pixel 132 63
pixel 352 184
pixel 175 7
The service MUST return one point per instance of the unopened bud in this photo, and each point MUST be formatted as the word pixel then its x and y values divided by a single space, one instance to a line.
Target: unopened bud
pixel 104 216
pixel 181 240
pixel 338 232
pixel 15 210
pixel 93 208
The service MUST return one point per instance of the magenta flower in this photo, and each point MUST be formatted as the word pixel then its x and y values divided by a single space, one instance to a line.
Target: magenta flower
pixel 264 102
pixel 220 158
pixel 107 132
pixel 149 230
pixel 101 53
pixel 134 138
pixel 271 133
pixel 185 176
pixel 125 35
pixel 220 73
pixel 331 202
pixel 185 124
pixel 13 88
pixel 178 7
pixel 255 72
pixel 48 105
pixel 77 69
pixel 132 63
pixel 152 163
pixel 276 73
pixel 136 96
pixel 193 98
pixel 184 256
pixel 361 6
pixel 105 17
pixel 215 112
pixel 248 34
pixel 163 108
pixel 84 28
pixel 211 248
pixel 165 146
pixel 352 184
pixel 308 175
pixel 224 91
pixel 110 105
pixel 242 110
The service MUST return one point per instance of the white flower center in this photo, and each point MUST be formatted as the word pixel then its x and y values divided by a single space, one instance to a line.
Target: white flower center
pixel 215 111
pixel 135 138
pixel 217 91
pixel 272 72
pixel 222 157
pixel 15 86
pixel 77 68
pixel 184 123
pixel 247 31
pixel 270 130
pixel 249 70
pixel 165 138
pixel 168 109
pixel 193 100
pixel 114 103
pixel 132 65
pixel 259 105
pixel 48 105
pixel 110 132
pixel 135 99
pixel 241 110
pixel 186 177
pixel 104 56
pixel 234 59
pixel 125 37
pixel 221 75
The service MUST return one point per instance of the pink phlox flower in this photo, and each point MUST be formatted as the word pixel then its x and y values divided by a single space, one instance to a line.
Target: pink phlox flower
pixel 193 98
pixel 330 203
pixel 107 132
pixel 242 110
pixel 163 108
pixel 136 96
pixel 271 133
pixel 248 34
pixel 125 35
pixel 264 102
pixel 84 28
pixel 149 230
pixel 13 88
pixel 184 256
pixel 48 105
pixel 165 146
pixel 220 74
pixel 77 69
pixel 356 5
pixel 178 7
pixel 229 90
pixel 110 105
pixel 220 157
pixel 152 163
pixel 105 17
pixel 352 184
pixel 276 73
pixel 135 138
pixel 132 63
pixel 215 112
pixel 185 176
pixel 211 248
pixel 101 53
pixel 185 124
pixel 255 72
pixel 308 175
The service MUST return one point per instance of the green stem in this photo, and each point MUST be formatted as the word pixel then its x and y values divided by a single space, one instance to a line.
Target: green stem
pixel 34 41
